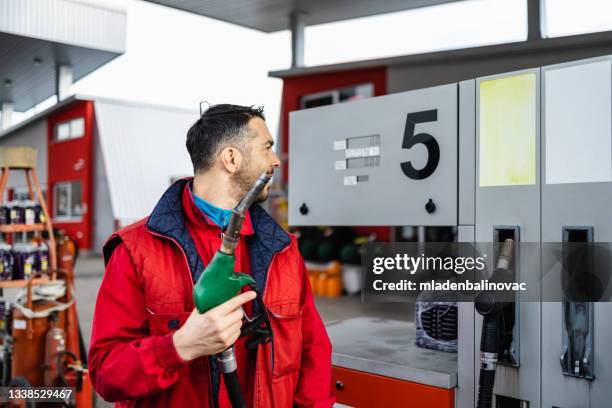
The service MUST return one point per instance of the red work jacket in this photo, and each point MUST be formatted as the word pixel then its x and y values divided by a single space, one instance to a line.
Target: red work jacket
pixel 146 294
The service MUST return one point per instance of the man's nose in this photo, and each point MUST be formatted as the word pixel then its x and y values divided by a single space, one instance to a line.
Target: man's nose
pixel 275 161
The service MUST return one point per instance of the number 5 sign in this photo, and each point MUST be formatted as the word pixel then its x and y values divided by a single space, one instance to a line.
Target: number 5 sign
pixel 389 160
pixel 410 139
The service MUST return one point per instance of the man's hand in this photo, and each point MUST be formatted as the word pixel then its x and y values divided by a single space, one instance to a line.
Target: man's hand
pixel 211 332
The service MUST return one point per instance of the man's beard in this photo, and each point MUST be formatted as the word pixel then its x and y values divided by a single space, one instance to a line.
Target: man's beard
pixel 243 180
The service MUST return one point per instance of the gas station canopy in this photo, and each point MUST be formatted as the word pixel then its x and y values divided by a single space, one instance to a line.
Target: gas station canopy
pixel 274 15
pixel 28 67
pixel 38 47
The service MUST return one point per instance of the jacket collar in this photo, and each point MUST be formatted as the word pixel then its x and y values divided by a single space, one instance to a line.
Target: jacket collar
pixel 168 219
pixel 195 216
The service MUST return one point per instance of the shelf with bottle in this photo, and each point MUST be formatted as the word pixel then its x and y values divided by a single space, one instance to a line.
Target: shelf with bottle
pixel 26 260
pixel 22 216
pixel 23 260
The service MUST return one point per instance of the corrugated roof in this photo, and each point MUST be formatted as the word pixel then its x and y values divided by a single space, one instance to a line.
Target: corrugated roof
pixel 81 97
pixel 143 147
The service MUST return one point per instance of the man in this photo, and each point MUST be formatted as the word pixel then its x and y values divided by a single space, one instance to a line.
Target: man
pixel 150 347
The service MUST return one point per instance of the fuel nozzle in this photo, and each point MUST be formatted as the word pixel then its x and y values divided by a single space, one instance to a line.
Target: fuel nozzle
pixel 489 302
pixel 505 256
pixel 232 232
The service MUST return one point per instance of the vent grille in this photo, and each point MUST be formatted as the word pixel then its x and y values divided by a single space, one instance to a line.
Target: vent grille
pixel 440 322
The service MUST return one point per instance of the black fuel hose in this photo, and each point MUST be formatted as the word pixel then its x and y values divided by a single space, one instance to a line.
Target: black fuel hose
pixel 227 361
pixel 233 389
pixel 488 360
pixel 489 306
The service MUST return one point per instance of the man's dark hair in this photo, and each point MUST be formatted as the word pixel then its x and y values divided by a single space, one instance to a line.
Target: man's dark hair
pixel 219 126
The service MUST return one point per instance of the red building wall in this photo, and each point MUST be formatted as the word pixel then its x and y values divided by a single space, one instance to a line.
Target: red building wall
pixel 71 160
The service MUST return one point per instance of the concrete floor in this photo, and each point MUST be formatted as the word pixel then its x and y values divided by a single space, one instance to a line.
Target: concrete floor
pixel 90 270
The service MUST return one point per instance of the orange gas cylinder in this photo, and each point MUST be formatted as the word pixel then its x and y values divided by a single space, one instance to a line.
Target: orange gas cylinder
pixel 326 279
pixel 333 283
pixel 319 283
pixel 333 286
pixel 29 343
pixel 314 275
pixel 65 255
pixel 55 343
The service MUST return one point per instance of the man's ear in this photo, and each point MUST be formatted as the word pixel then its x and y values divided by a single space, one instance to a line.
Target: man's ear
pixel 231 159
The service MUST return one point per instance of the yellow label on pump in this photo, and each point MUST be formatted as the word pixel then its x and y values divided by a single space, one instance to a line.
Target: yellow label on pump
pixel 507 131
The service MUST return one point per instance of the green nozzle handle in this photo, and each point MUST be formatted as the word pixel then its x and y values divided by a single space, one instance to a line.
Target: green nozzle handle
pixel 219 283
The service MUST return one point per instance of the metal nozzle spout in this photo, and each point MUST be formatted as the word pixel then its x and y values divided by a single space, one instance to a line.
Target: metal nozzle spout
pixel 227 360
pixel 232 233
pixel 253 193
pixel 505 256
